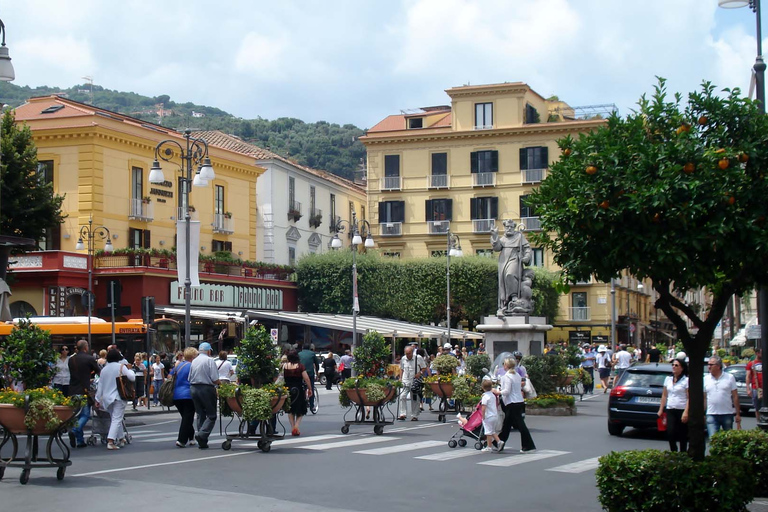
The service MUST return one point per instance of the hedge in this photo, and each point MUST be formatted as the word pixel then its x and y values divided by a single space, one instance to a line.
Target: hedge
pixel 749 445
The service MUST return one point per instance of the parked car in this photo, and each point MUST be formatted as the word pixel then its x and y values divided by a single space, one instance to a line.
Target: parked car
pixel 635 399
pixel 739 372
pixel 321 371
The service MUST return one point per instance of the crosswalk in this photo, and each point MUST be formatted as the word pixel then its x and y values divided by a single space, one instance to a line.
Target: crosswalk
pixel 397 443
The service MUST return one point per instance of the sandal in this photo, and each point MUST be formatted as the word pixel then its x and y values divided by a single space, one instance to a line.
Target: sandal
pixel 414 419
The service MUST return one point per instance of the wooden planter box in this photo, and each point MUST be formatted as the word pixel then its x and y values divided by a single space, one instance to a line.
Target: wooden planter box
pixel 12 419
pixel 359 396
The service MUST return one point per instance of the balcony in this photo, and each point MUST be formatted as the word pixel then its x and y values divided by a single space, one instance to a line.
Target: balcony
pixel 579 314
pixel 315 217
pixel 438 227
pixel 391 183
pixel 534 175
pixel 223 223
pixel 391 229
pixel 334 222
pixel 438 181
pixel 482 225
pixel 294 211
pixel 141 209
pixel 484 179
pixel 531 223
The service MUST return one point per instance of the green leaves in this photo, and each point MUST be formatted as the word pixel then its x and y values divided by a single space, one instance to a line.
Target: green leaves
pixel 258 357
pixel 29 354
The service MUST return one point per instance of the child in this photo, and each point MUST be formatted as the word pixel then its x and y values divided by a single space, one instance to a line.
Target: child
pixel 490 415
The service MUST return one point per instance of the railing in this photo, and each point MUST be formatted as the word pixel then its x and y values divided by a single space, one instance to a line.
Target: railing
pixel 391 228
pixel 482 225
pixel 484 179
pixel 437 181
pixel 223 223
pixel 294 210
pixel 169 263
pixel 579 314
pixel 334 222
pixel 390 183
pixel 180 214
pixel 437 227
pixel 531 223
pixel 483 127
pixel 534 175
pixel 315 217
pixel 141 210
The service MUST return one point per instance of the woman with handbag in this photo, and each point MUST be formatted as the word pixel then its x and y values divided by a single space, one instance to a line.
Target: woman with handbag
pixel 182 398
pixel 108 396
pixel 674 403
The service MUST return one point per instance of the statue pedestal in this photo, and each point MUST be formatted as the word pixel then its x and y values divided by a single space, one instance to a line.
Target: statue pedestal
pixel 511 333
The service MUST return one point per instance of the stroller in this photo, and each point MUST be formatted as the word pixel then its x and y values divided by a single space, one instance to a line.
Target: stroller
pixel 100 421
pixel 472 428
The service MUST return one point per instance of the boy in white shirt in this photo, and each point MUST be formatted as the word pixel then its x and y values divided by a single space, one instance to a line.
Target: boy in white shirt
pixel 490 415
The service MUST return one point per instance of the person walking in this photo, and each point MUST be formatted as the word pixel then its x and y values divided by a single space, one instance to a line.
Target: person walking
pixel 308 358
pixel 674 402
pixel 158 375
pixel 139 370
pixel 721 398
pixel 224 367
pixel 108 399
pixel 411 365
pixel 203 379
pixel 513 405
pixel 603 366
pixel 489 402
pixel 329 370
pixel 621 361
pixel 182 398
pixel 347 361
pixel 61 379
pixel 297 381
pixel 588 365
pixel 82 366
pixel 755 381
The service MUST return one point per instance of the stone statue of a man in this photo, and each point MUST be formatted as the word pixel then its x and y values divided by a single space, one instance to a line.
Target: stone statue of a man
pixel 515 252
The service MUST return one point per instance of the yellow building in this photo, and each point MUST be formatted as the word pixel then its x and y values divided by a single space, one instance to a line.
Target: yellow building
pixel 460 168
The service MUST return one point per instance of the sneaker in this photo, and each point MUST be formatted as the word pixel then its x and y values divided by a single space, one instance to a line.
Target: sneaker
pixel 180 445
pixel 500 447
pixel 487 449
pixel 112 447
pixel 122 442
pixel 532 450
pixel 192 442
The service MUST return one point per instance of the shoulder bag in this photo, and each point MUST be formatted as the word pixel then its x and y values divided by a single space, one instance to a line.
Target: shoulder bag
pixel 125 387
pixel 165 395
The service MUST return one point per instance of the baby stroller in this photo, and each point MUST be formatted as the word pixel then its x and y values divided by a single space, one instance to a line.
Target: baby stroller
pixel 100 421
pixel 472 428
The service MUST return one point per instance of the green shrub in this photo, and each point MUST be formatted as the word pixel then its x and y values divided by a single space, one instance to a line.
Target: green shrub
pixel 477 363
pixel 372 356
pixel 661 481
pixel 749 445
pixel 748 353
pixel 445 364
pixel 258 357
pixel 548 401
pixel 544 371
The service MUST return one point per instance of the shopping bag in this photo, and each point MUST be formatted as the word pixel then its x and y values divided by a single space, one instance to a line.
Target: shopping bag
pixel 661 422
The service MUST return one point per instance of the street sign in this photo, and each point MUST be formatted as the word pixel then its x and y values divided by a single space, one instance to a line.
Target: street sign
pixel 273 335
pixel 631 327
pixel 753 332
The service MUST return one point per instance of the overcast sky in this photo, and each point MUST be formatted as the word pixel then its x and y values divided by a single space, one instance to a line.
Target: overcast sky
pixel 359 61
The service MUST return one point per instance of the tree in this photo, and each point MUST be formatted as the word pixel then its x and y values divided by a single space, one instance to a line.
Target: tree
pixel 675 194
pixel 28 205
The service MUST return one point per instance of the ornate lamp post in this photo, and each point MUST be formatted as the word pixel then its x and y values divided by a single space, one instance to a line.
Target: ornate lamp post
pixel 762 297
pixel 453 249
pixel 193 154
pixel 6 68
pixel 88 233
pixel 359 229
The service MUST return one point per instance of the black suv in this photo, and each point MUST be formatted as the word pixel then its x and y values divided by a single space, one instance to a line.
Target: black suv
pixel 635 399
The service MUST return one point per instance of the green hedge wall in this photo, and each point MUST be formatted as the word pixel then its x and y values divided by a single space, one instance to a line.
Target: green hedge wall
pixel 410 290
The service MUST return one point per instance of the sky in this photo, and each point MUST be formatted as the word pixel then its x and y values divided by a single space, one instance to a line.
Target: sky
pixel 358 61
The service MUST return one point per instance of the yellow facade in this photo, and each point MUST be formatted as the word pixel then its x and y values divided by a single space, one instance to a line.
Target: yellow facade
pixel 96 156
pixel 498 141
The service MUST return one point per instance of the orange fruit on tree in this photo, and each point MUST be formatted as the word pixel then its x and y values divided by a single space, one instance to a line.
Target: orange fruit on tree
pixel 567 152
pixel 689 167
pixel 656 218
pixel 743 158
pixel 605 204
pixel 723 163
pixel 731 200
pixel 591 170
pixel 703 120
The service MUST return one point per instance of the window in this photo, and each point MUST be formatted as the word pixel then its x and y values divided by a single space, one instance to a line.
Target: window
pixel 362 212
pixel 437 254
pixel 218 201
pixel 51 239
pixel 312 200
pixel 291 255
pixel 534 158
pixel 333 213
pixel 439 164
pixel 484 161
pixel 439 209
pixel 392 211
pixel 139 238
pixel 579 311
pixel 531 115
pixel 391 166
pixel 221 246
pixel 415 122
pixel 137 183
pixel 291 190
pixel 538 257
pixel 483 116
pixel 525 210
pixel 484 207
pixel 485 253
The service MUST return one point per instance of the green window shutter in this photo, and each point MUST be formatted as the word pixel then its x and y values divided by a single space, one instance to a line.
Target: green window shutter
pixel 429 212
pixel 473 162
pixel 494 161
pixel 494 207
pixel 523 159
pixel 473 213
pixel 449 209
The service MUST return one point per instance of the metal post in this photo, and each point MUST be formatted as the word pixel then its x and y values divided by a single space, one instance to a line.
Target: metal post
pixel 629 321
pixel 613 315
pixel 187 159
pixel 448 286
pixel 355 302
pixel 112 307
pixel 90 278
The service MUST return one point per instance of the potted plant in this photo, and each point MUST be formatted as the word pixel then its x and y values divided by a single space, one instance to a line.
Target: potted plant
pixel 442 383
pixel 146 200
pixel 228 215
pixel 370 386
pixel 251 403
pixel 258 358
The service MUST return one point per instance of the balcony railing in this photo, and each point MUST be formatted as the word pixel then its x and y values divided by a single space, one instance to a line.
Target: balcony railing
pixel 141 210
pixel 483 127
pixel 482 225
pixel 437 181
pixel 334 222
pixel 484 179
pixel 391 228
pixel 534 175
pixel 579 314
pixel 192 214
pixel 531 223
pixel 315 217
pixel 437 227
pixel 223 223
pixel 265 271
pixel 390 183
pixel 294 210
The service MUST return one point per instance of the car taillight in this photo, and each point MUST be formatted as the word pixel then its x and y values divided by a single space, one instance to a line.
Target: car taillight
pixel 619 391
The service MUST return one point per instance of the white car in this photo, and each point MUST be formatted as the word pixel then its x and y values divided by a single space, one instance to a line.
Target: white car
pixel 321 370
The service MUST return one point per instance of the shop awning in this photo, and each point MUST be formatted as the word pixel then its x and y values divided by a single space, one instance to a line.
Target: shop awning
pixel 208 314
pixel 386 327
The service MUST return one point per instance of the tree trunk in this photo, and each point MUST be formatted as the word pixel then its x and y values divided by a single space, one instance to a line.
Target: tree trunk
pixel 696 351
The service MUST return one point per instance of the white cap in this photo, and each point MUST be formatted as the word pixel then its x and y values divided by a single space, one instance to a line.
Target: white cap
pixel 448 346
pixel 682 356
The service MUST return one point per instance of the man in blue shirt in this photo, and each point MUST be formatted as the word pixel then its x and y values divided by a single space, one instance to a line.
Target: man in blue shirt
pixel 588 364
pixel 308 358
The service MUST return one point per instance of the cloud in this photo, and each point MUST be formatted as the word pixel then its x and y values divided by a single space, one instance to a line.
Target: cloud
pixel 53 60
pixel 263 56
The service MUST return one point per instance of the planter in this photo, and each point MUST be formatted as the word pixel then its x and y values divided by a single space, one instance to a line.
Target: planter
pixel 562 382
pixel 276 402
pixel 559 410
pixel 359 396
pixel 442 389
pixel 12 419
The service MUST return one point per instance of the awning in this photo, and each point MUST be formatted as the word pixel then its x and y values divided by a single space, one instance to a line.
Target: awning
pixel 386 327
pixel 208 314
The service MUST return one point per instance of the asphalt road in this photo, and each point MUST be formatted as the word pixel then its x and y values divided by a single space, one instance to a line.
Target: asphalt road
pixel 410 467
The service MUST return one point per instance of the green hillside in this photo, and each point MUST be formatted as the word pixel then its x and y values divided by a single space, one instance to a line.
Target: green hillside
pixel 319 145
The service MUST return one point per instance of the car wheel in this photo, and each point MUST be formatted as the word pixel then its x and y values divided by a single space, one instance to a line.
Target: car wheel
pixel 323 380
pixel 615 429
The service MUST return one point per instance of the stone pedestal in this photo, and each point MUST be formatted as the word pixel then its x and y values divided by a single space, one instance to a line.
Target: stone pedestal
pixel 511 333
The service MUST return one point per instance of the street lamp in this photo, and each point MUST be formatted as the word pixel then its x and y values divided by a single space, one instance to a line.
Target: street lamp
pixel 6 68
pixel 762 297
pixel 358 229
pixel 453 249
pixel 193 154
pixel 88 233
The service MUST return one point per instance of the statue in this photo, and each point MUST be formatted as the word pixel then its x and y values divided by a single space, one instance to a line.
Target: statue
pixel 514 282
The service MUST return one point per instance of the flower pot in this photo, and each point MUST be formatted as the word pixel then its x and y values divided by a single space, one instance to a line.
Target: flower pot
pixel 12 419
pixel 562 382
pixel 442 389
pixel 276 403
pixel 234 405
pixel 359 396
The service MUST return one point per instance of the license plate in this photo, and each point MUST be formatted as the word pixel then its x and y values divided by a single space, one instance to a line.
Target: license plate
pixel 648 400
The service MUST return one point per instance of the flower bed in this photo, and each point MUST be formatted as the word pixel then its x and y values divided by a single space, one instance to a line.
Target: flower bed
pixel 551 405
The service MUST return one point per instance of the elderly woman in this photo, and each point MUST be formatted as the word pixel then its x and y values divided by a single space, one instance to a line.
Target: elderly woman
pixel 182 399
pixel 514 407
pixel 108 399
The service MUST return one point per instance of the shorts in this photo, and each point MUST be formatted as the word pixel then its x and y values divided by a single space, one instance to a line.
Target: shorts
pixel 604 372
pixel 489 425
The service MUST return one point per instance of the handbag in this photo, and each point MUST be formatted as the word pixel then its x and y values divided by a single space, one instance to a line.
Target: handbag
pixel 280 380
pixel 661 422
pixel 528 389
pixel 165 395
pixel 417 385
pixel 125 387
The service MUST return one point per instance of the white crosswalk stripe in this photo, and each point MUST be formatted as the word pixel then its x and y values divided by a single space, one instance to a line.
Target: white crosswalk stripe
pixel 522 458
pixel 577 467
pixel 288 442
pixel 402 448
pixel 147 435
pixel 174 438
pixel 351 442
pixel 458 453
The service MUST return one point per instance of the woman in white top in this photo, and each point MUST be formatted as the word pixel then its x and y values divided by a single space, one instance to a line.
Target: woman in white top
pixel 224 367
pixel 674 401
pixel 61 379
pixel 108 399
pixel 513 405
pixel 157 379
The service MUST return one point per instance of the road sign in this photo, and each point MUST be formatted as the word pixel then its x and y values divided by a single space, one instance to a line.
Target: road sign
pixel 273 335
pixel 632 328
pixel 753 332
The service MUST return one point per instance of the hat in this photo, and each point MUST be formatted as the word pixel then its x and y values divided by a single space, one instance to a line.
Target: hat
pixel 601 348
pixel 682 356
pixel 448 346
pixel 205 346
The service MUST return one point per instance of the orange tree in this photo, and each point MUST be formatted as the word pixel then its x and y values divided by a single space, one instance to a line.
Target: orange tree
pixel 675 193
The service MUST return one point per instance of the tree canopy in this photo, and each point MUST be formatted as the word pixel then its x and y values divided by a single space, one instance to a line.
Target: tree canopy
pixel 675 193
